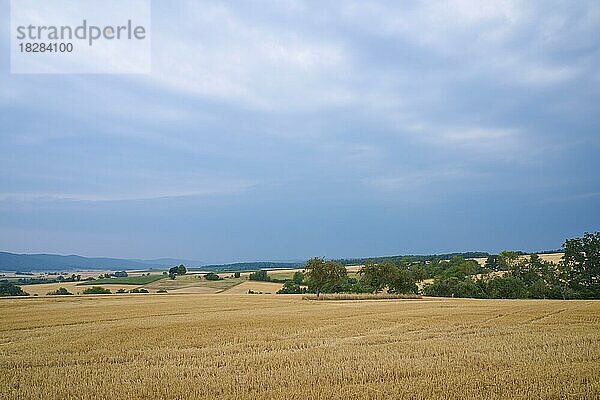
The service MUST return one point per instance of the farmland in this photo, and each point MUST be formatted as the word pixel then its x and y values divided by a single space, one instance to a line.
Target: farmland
pixel 128 280
pixel 184 346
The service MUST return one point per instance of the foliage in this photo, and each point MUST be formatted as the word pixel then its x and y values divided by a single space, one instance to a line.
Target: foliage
pixel 298 277
pixel 61 291
pixel 580 266
pixel 291 288
pixel 576 276
pixel 506 287
pixel 10 289
pixel 211 276
pixel 96 290
pixel 178 270
pixel 260 276
pixel 325 276
pixel 492 263
pixel 396 278
pixel 237 274
pixel 161 291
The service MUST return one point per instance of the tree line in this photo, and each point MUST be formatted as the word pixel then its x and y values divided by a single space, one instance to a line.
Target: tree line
pixel 509 274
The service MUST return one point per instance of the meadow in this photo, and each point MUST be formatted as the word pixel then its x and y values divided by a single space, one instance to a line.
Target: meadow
pixel 194 346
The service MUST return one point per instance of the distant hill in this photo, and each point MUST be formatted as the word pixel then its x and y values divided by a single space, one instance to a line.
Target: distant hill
pixel 54 262
pixel 57 263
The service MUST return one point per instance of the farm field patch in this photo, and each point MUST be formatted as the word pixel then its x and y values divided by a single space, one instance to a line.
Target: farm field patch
pixel 281 347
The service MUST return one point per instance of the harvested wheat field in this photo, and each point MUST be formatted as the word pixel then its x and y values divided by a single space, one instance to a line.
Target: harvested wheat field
pixel 283 347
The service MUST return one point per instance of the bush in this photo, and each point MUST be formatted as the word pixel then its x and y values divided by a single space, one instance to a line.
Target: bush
pixel 120 291
pixel 260 276
pixel 211 276
pixel 61 291
pixel 506 287
pixel 10 289
pixel 138 290
pixel 236 275
pixel 161 291
pixel 291 288
pixel 96 290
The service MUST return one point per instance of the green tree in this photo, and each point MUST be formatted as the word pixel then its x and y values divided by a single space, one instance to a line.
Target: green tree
pixel 61 291
pixel 580 265
pixel 403 281
pixel 211 276
pixel 236 274
pixel 506 287
pixel 508 260
pixel 10 289
pixel 178 270
pixel 290 288
pixel 377 276
pixel 260 276
pixel 323 275
pixel 298 277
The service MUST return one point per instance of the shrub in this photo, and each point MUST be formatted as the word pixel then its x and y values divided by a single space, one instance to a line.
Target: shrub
pixel 161 291
pixel 121 291
pixel 61 291
pixel 138 290
pixel 236 275
pixel 211 276
pixel 96 290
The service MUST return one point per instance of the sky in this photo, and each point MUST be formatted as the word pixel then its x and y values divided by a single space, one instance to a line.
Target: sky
pixel 282 130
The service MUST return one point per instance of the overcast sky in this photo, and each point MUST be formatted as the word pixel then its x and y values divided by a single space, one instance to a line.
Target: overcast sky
pixel 280 130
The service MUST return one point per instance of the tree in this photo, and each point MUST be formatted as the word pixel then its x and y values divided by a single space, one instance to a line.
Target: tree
pixel 492 263
pixel 508 260
pixel 506 287
pixel 580 265
pixel 178 270
pixel 10 289
pixel 211 276
pixel 323 275
pixel 236 274
pixel 260 276
pixel 290 288
pixel 403 281
pixel 298 277
pixel 377 276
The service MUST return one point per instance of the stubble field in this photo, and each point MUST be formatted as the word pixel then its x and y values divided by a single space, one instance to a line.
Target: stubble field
pixel 281 347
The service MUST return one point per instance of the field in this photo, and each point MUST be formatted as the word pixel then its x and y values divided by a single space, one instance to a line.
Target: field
pixel 282 347
pixel 128 280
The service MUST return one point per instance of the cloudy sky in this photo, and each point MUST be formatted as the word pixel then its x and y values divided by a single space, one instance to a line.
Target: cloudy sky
pixel 280 130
